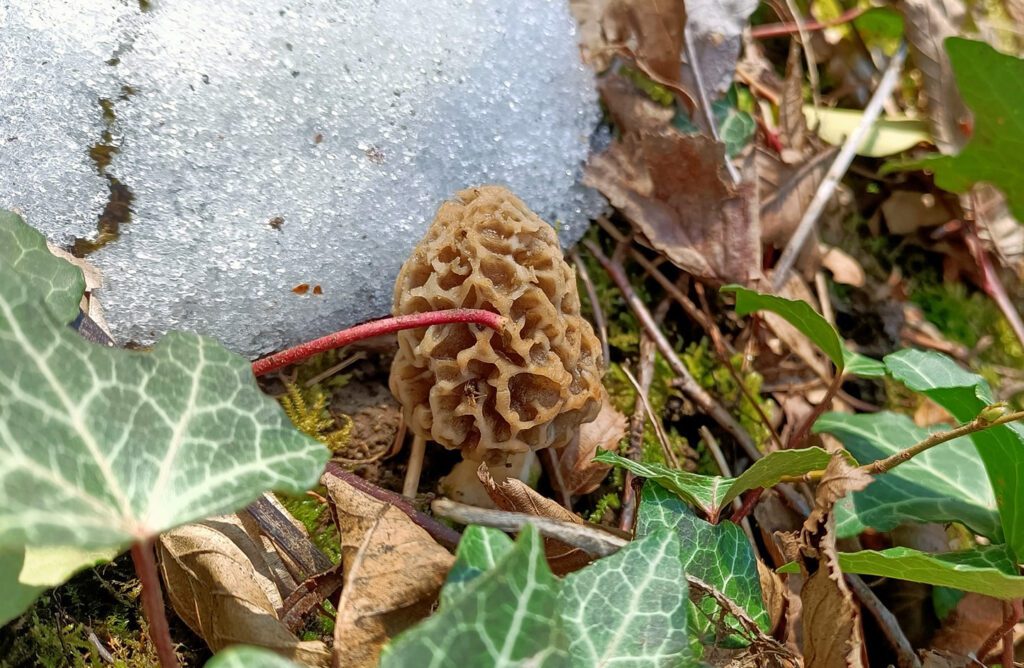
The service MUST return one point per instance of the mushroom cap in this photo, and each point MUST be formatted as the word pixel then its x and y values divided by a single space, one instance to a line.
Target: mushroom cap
pixel 469 387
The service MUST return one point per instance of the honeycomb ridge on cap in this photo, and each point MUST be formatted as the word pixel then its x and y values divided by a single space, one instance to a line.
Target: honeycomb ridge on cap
pixel 467 386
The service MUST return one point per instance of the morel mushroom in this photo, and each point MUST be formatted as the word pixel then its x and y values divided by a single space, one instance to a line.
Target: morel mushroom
pixel 488 393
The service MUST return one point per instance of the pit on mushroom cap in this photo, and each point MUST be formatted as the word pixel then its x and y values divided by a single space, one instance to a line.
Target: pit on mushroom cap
pixel 494 393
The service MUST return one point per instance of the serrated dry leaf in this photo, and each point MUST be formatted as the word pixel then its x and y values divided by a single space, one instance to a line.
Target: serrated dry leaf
pixel 672 187
pixel 578 471
pixel 773 590
pixel 393 573
pixel 839 479
pixel 516 496
pixel 220 584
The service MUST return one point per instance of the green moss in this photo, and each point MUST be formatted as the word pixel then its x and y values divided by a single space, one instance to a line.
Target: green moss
pixel 712 375
pixel 623 396
pixel 316 518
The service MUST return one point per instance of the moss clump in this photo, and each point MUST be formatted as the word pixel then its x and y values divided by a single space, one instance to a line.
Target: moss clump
pixel 307 409
pixel 650 88
pixel 713 376
pixel 316 518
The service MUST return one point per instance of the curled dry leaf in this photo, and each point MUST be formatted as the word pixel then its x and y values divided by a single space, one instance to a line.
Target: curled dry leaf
pixel 222 582
pixel 630 109
pixel 844 268
pixel 671 187
pixel 579 473
pixel 651 34
pixel 516 496
pixel 839 479
pixel 831 618
pixel 393 573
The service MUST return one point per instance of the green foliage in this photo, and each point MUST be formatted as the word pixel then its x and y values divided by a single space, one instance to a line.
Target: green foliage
pixel 57 282
pixel 988 570
pixel 242 656
pixel 307 409
pixel 501 606
pixel 718 554
pixel 965 395
pixel 736 126
pixel 711 374
pixel 943 484
pixel 622 394
pixel 989 83
pixel 713 493
pixel 316 518
pixel 100 447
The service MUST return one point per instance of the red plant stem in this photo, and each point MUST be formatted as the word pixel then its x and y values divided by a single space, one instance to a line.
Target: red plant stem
pixel 375 328
pixel 780 29
pixel 993 286
pixel 1013 612
pixel 153 602
pixel 750 500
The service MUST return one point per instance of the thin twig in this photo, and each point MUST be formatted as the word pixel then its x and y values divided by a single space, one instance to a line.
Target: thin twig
pixel 801 432
pixel 153 602
pixel 1012 616
pixel 637 422
pixel 595 304
pixel 977 424
pixel 838 169
pixel 587 537
pixel 812 61
pixel 993 285
pixel 686 382
pixel 705 101
pixel 343 364
pixel 906 658
pixel 412 474
pixel 659 429
pixel 781 29
pixel 375 328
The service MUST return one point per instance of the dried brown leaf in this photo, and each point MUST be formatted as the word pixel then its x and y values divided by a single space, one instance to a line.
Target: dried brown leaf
pixel 516 496
pixel 907 211
pixel 393 573
pixel 773 590
pixel 589 15
pixel 938 659
pixel 219 582
pixel 630 109
pixel 786 190
pixel 831 618
pixel 793 131
pixel 973 620
pixel 927 24
pixel 672 188
pixel 578 471
pixel 839 479
pixel 844 268
pixel 651 33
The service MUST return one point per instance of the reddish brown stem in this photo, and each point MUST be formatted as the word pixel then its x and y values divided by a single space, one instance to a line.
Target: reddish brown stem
pixel 993 285
pixel 375 328
pixel 1004 632
pixel 153 602
pixel 789 28
pixel 750 500
pixel 804 430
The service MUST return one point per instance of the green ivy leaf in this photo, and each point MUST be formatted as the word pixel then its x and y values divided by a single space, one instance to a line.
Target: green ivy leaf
pixel 965 395
pixel 23 249
pixel 480 550
pixel 987 570
pixel 944 484
pixel 501 606
pixel 811 324
pixel 102 447
pixel 17 596
pixel 718 554
pixel 629 608
pixel 244 656
pixel 713 493
pixel 989 83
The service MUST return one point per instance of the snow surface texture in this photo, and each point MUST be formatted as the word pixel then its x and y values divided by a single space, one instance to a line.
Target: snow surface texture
pixel 274 144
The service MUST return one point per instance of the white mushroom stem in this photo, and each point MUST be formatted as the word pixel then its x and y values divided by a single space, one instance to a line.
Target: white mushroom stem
pixel 412 474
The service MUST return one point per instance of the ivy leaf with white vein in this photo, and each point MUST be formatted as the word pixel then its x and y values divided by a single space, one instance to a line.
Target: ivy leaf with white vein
pixel 59 282
pixel 246 656
pixel 964 395
pixel 712 493
pixel 102 447
pixel 942 484
pixel 718 554
pixel 502 606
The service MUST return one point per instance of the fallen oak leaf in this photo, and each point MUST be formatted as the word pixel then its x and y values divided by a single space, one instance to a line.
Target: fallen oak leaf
pixel 671 187
pixel 514 495
pixel 393 573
